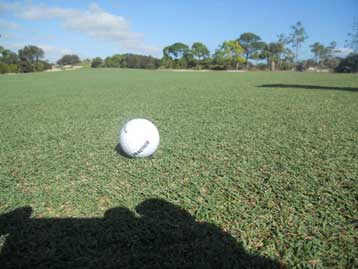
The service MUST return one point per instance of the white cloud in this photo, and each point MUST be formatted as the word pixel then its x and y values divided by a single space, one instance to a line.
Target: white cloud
pixel 6 25
pixel 94 22
pixel 343 52
pixel 41 12
pixel 54 50
pixel 53 53
pixel 12 46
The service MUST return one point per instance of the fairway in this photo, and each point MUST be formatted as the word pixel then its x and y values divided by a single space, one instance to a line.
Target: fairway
pixel 269 159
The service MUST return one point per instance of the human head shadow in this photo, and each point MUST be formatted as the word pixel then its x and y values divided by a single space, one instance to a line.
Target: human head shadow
pixel 309 87
pixel 162 236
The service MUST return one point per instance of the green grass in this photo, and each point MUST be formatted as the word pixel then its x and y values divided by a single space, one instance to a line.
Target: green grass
pixel 276 168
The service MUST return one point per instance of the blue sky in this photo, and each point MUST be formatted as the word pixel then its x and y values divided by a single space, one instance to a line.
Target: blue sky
pixel 103 28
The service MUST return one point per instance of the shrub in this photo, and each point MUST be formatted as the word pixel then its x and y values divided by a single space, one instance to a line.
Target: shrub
pixel 97 62
pixel 331 62
pixel 300 67
pixel 69 60
pixel 4 68
pixel 26 67
pixel 14 68
pixel 39 67
pixel 286 66
pixel 348 65
pixel 261 66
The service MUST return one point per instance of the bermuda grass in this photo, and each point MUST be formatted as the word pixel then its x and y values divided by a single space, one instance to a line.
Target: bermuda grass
pixel 268 159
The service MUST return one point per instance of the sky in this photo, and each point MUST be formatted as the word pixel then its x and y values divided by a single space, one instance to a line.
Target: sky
pixel 103 28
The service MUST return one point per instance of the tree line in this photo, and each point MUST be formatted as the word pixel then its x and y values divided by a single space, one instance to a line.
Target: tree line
pixel 127 60
pixel 249 48
pixel 28 59
pixel 248 51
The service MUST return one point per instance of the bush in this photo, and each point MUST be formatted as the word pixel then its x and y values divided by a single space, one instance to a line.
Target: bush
pixel 348 65
pixel 97 62
pixel 261 66
pixel 286 66
pixel 218 67
pixel 14 68
pixel 300 67
pixel 166 62
pixel 114 61
pixel 26 67
pixel 331 63
pixel 140 61
pixel 206 63
pixel 41 66
pixel 69 60
pixel 305 64
pixel 129 61
pixel 4 68
pixel 86 63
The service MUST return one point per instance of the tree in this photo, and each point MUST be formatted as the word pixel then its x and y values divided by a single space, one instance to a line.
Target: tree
pixel 86 63
pixel 252 45
pixel 128 60
pixel 178 50
pixel 167 62
pixel 352 41
pixel 206 63
pixel 323 55
pixel 28 60
pixel 219 61
pixel 69 59
pixel 331 49
pixel 231 53
pixel 42 66
pixel 200 51
pixel 14 68
pixel 285 57
pixel 349 64
pixel 297 37
pixel 26 67
pixel 166 52
pixel 272 53
pixel 114 61
pixel 31 54
pixel 97 62
pixel 198 55
pixel 176 55
pixel 331 62
pixel 139 61
pixel 9 57
pixel 287 61
pixel 4 68
pixel 318 51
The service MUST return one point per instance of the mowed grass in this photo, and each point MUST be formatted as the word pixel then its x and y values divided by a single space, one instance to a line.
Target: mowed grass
pixel 274 167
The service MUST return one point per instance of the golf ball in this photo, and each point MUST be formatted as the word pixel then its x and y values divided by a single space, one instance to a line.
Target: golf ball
pixel 139 138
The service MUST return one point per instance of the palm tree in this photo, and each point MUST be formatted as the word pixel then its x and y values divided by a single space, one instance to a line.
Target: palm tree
pixel 272 53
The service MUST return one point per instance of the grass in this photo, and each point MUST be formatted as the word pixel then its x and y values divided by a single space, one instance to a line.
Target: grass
pixel 267 165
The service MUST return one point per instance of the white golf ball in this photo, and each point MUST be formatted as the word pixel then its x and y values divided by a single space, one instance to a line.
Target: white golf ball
pixel 139 138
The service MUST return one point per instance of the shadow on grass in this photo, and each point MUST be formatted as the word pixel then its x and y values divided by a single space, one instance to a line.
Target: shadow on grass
pixel 309 87
pixel 162 236
pixel 120 151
